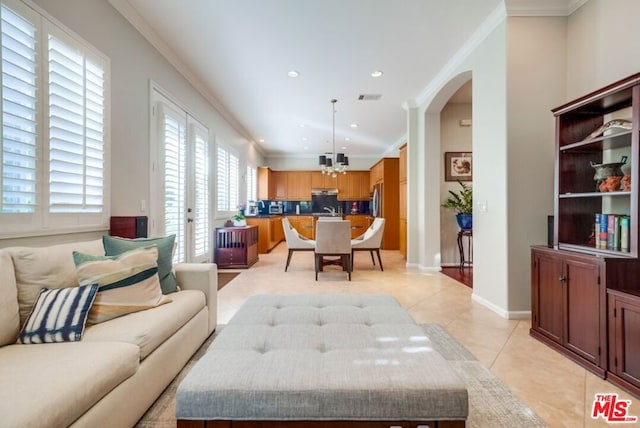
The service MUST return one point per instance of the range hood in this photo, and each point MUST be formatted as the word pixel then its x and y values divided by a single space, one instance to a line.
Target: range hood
pixel 324 192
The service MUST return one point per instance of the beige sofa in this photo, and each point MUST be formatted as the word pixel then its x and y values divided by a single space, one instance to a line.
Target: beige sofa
pixel 121 366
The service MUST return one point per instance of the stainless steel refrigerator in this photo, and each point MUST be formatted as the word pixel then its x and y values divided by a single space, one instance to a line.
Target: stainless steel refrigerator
pixel 376 200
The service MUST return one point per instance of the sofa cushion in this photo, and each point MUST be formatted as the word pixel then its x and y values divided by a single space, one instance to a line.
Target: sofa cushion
pixel 127 283
pixel 59 315
pixel 149 329
pixel 54 384
pixel 46 267
pixel 114 246
pixel 9 314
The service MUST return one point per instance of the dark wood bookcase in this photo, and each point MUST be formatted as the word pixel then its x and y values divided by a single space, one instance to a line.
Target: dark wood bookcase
pixel 574 282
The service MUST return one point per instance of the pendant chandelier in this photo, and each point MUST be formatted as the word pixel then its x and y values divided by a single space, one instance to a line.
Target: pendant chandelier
pixel 333 163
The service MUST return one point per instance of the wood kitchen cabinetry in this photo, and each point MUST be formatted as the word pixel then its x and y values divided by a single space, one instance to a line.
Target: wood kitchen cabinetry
pixel 323 181
pixel 298 185
pixel 402 200
pixel 304 224
pixel 354 186
pixel 585 288
pixel 359 224
pixel 386 172
pixel 270 232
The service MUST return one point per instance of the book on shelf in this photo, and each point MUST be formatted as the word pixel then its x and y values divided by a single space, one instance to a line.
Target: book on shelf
pixel 613 232
pixel 603 231
pixel 624 233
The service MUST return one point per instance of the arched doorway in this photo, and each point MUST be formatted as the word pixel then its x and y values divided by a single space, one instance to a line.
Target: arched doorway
pixel 456 245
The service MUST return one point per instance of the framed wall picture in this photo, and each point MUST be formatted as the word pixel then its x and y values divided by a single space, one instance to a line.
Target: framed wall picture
pixel 458 166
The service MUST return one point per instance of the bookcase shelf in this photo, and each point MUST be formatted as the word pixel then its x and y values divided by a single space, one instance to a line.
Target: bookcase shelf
pixel 571 281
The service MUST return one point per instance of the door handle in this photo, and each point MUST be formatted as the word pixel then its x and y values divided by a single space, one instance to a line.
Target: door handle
pixel 562 278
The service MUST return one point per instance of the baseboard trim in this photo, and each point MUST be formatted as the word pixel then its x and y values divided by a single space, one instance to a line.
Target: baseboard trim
pixel 510 315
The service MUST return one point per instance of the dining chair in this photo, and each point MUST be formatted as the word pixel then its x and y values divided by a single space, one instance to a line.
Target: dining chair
pixel 333 239
pixel 295 241
pixel 370 240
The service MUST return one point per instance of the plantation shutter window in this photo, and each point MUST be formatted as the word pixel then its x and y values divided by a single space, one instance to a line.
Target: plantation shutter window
pixel 54 163
pixel 76 130
pixel 18 181
pixel 252 183
pixel 174 127
pixel 202 211
pixel 228 172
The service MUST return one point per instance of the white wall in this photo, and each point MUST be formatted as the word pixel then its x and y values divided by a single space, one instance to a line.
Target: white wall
pixel 134 62
pixel 453 138
pixel 535 84
pixel 603 45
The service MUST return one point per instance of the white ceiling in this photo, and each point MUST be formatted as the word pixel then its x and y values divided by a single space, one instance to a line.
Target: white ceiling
pixel 238 52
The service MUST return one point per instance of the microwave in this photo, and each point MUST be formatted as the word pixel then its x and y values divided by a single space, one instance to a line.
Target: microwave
pixel 275 209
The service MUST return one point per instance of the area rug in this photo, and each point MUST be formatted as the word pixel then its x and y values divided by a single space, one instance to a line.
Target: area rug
pixel 225 277
pixel 491 403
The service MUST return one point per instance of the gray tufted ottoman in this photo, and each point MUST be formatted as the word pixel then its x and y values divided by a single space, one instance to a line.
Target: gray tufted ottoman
pixel 336 360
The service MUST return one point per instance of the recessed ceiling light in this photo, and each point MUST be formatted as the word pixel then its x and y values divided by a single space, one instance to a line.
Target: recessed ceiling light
pixel 260 140
pixel 344 147
pixel 306 147
pixel 376 73
pixel 304 138
pixel 347 139
pixel 354 125
pixel 293 73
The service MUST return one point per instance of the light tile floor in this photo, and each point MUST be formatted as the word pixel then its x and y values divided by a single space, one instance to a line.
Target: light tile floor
pixel 558 390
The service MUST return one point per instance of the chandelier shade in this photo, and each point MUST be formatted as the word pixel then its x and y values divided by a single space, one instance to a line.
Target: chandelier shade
pixel 333 163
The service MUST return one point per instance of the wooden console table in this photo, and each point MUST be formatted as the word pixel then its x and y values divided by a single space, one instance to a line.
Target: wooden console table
pixel 236 247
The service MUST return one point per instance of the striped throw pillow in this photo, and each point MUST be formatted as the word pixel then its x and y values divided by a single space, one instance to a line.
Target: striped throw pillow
pixel 59 315
pixel 127 283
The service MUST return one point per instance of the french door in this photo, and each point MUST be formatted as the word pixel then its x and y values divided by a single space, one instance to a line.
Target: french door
pixel 182 180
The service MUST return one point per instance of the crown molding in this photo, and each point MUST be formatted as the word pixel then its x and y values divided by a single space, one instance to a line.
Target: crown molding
pixel 444 75
pixel 133 17
pixel 542 7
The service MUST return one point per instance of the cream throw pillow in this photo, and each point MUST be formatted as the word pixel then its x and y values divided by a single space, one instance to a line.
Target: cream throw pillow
pixel 126 283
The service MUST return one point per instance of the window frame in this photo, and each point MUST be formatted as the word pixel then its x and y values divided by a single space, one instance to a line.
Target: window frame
pixel 42 222
pixel 230 206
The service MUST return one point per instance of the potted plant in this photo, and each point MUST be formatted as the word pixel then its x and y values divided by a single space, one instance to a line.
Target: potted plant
pixel 462 203
pixel 239 219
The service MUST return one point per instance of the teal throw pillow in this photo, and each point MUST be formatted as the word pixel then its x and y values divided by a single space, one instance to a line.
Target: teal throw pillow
pixel 114 246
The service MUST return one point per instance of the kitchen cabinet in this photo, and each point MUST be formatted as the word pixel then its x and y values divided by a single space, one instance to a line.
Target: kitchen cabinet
pixel 305 225
pixel 387 172
pixel 568 305
pixel 280 182
pixel 353 186
pixel 298 185
pixel 359 224
pixel 376 174
pixel 323 181
pixel 624 346
pixel 402 200
pixel 270 232
pixel 266 189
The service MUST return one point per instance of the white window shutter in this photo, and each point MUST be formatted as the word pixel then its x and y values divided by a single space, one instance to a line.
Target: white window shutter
pixel 252 183
pixel 201 210
pixel 18 181
pixel 76 130
pixel 175 163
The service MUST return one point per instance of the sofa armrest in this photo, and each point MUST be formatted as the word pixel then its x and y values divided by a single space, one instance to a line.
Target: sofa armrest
pixel 203 277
